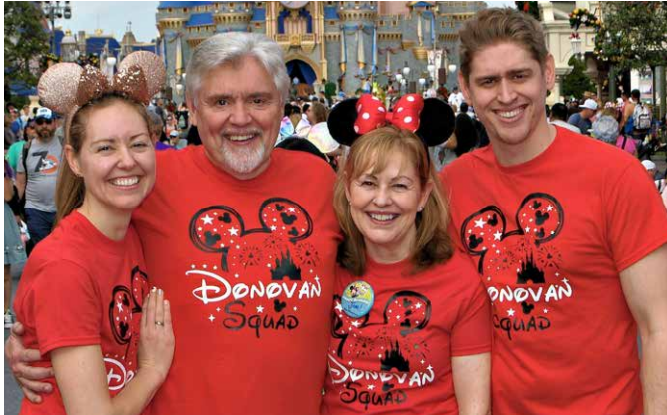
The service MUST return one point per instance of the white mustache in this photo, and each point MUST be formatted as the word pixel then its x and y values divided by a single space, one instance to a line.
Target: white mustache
pixel 227 133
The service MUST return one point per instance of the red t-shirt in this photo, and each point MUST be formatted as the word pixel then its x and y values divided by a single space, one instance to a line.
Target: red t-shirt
pixel 397 359
pixel 248 267
pixel 81 288
pixel 550 237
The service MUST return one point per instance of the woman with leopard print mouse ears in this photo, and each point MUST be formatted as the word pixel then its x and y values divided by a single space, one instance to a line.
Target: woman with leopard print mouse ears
pixel 411 328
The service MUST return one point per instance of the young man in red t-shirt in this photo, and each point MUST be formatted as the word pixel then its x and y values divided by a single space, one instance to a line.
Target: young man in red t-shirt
pixel 550 217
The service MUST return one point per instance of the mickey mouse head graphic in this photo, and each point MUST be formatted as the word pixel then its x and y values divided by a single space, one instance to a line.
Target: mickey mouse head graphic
pixel 125 309
pixel 405 313
pixel 218 229
pixel 519 256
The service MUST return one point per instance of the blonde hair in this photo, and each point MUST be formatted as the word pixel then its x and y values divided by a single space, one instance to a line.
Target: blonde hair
pixel 492 26
pixel 70 188
pixel 372 152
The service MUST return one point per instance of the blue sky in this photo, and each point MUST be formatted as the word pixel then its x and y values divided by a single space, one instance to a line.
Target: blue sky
pixel 112 17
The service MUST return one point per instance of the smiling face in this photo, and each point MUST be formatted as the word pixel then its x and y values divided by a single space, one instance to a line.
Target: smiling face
pixel 116 159
pixel 508 88
pixel 384 205
pixel 237 111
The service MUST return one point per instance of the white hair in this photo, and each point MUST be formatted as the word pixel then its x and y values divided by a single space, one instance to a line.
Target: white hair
pixel 233 46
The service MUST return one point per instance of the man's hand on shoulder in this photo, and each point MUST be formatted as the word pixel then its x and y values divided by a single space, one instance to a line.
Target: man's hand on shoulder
pixel 19 358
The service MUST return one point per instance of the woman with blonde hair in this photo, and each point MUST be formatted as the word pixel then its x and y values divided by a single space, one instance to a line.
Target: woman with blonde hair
pixel 411 321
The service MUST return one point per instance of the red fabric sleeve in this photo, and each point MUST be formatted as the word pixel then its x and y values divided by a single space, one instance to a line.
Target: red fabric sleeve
pixel 636 220
pixel 472 332
pixel 66 306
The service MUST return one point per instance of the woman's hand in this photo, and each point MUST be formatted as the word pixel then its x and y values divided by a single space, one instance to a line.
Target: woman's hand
pixel 156 339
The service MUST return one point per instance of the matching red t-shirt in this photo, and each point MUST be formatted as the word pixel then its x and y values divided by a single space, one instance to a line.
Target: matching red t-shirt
pixel 397 358
pixel 81 288
pixel 550 237
pixel 249 268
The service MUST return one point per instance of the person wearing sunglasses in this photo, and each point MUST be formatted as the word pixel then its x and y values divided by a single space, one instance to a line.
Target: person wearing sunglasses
pixel 36 174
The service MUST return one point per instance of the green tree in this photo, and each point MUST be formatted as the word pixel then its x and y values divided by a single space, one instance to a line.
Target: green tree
pixel 25 41
pixel 529 7
pixel 577 82
pixel 633 35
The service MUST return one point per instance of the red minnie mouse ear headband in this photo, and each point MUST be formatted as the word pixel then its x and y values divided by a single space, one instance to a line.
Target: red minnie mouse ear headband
pixel 431 119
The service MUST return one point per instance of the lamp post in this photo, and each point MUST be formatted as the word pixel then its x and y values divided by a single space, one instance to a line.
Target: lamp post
pixel 575 40
pixel 399 79
pixel 422 83
pixel 431 70
pixel 55 10
pixel 406 77
pixel 452 68
pixel 111 62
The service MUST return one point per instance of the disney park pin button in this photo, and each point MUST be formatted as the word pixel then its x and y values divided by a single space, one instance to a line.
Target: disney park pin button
pixel 358 299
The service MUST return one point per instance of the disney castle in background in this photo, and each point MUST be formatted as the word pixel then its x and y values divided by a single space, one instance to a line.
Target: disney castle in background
pixel 347 42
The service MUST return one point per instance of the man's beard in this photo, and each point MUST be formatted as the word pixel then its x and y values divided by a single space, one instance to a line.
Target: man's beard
pixel 244 160
pixel 45 134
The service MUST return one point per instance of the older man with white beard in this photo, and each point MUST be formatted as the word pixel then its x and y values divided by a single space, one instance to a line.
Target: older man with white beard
pixel 243 247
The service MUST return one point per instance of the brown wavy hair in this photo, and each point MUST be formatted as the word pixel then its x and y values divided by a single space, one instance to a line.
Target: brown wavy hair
pixel 372 152
pixel 493 26
pixel 319 112
pixel 70 188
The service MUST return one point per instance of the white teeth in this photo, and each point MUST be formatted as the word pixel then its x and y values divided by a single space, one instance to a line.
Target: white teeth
pixel 509 114
pixel 382 217
pixel 125 181
pixel 240 137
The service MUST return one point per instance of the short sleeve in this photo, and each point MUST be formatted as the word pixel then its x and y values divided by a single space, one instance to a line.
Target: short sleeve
pixel 636 219
pixel 471 333
pixel 20 168
pixel 66 307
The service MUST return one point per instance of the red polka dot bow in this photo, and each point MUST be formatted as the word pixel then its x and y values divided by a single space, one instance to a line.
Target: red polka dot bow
pixel 371 114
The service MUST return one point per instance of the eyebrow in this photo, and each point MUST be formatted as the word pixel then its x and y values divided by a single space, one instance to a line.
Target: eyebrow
pixel 372 176
pixel 228 97
pixel 512 72
pixel 109 139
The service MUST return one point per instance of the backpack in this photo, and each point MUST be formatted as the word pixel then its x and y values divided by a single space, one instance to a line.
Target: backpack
pixel 20 204
pixel 642 117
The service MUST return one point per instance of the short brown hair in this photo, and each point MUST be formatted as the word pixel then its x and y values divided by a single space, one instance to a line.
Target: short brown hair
pixel 373 151
pixel 319 112
pixel 492 26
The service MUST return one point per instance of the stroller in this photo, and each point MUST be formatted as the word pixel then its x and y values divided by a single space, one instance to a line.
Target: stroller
pixel 657 142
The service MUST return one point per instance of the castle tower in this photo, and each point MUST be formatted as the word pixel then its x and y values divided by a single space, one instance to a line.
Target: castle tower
pixel 68 48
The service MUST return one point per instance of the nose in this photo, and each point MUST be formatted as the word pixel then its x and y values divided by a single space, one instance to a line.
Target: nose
pixel 382 197
pixel 506 93
pixel 126 158
pixel 240 114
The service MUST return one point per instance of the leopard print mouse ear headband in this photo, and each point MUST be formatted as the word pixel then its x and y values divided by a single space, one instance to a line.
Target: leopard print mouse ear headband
pixel 66 87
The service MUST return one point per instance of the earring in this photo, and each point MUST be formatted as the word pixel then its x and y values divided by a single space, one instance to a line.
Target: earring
pixel 420 208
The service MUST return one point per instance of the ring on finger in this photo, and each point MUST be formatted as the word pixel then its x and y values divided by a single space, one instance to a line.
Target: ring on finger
pixel 159 323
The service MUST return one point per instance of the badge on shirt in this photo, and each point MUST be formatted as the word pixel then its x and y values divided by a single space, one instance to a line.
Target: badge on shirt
pixel 357 299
